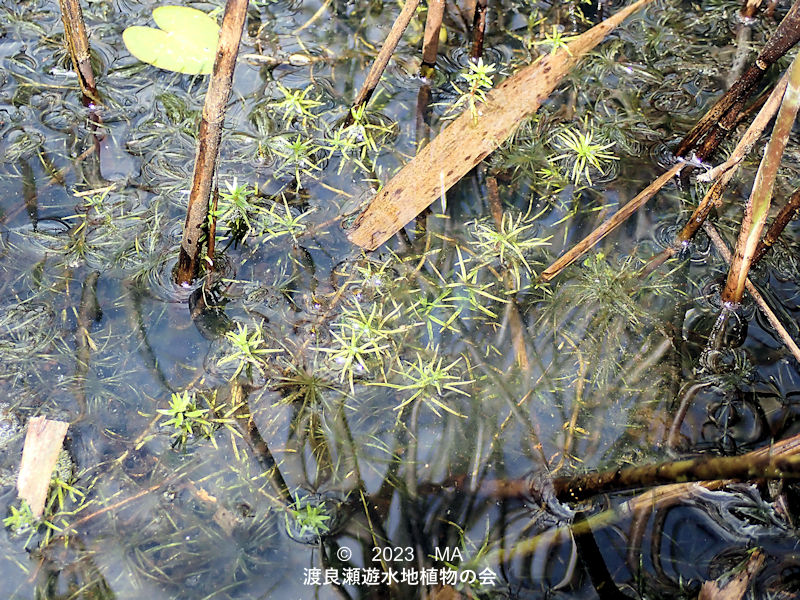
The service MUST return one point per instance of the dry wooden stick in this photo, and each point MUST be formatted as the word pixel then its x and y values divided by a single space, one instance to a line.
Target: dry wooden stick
pixel 757 207
pixel 721 175
pixel 736 587
pixel 478 29
pixel 78 43
pixel 610 225
pixel 374 75
pixel 433 24
pixel 209 137
pixel 722 248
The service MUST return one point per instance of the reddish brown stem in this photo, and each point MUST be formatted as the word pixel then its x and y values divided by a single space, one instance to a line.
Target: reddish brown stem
pixel 785 215
pixel 716 123
pixel 78 44
pixel 430 44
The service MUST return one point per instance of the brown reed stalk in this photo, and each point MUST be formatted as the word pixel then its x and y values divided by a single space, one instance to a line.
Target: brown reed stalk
pixel 747 466
pixel 430 43
pixel 787 340
pixel 609 225
pixel 374 75
pixel 78 44
pixel 478 28
pixel 209 137
pixel 757 207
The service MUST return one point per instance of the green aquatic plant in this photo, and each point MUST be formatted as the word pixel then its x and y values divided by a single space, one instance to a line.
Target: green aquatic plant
pixel 280 221
pixel 300 156
pixel 429 381
pixel 21 520
pixel 186 42
pixel 511 244
pixel 296 105
pixel 236 208
pixel 479 78
pixel 185 418
pixel 249 350
pixel 583 152
pixel 306 518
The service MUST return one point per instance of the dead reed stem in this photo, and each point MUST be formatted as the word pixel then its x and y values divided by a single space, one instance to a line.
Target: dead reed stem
pixel 609 225
pixel 78 44
pixel 782 219
pixel 374 75
pixel 209 137
pixel 718 121
pixel 433 25
pixel 757 207
pixel 478 29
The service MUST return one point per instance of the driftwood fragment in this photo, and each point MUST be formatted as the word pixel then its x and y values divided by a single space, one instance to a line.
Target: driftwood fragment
pixel 736 587
pixel 464 143
pixel 39 456
pixel 208 139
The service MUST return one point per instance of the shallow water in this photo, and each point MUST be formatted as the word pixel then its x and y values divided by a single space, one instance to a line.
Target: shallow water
pixel 391 396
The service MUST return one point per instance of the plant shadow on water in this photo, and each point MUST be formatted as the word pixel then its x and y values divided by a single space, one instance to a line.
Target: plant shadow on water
pixel 314 422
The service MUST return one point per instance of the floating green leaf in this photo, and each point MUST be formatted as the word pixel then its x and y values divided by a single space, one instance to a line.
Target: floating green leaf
pixel 186 42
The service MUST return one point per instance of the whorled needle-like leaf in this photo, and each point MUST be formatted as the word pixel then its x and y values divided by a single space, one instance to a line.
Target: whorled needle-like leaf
pixel 186 42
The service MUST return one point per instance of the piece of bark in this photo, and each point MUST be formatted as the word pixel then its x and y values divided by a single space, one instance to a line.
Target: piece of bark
pixel 464 144
pixel 39 456
pixel 737 586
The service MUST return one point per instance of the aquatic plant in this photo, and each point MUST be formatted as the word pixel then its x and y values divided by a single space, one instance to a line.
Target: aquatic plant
pixel 249 350
pixel 186 419
pixel 479 79
pixel 583 152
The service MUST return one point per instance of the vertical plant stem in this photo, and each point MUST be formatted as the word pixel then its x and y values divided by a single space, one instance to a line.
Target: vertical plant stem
pixel 209 136
pixel 78 44
pixel 785 215
pixel 374 75
pixel 433 24
pixel 478 29
pixel 757 208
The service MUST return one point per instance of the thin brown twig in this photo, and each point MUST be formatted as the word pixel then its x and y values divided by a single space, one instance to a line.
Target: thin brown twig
pixel 478 28
pixel 433 25
pixel 782 219
pixel 610 225
pixel 374 75
pixel 209 138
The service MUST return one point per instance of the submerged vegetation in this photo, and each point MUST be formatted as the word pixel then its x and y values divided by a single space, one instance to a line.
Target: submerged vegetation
pixel 310 420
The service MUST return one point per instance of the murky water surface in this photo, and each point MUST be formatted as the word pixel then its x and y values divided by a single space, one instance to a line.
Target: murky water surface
pixel 316 422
